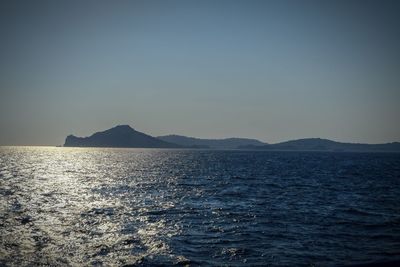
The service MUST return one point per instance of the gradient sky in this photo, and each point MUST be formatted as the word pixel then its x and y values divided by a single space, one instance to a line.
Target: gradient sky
pixel 272 70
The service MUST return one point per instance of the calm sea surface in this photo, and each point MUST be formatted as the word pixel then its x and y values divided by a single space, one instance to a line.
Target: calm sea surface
pixel 74 206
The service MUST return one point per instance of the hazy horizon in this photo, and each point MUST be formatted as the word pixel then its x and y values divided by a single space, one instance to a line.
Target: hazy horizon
pixel 269 70
pixel 197 137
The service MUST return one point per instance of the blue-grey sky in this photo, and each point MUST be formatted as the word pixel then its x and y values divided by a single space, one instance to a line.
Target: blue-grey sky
pixel 272 70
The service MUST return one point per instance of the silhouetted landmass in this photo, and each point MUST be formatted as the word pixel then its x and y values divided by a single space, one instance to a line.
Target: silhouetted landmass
pixel 119 136
pixel 227 143
pixel 125 136
pixel 318 144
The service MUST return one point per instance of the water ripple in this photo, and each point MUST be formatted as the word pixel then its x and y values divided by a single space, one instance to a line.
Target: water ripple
pixel 138 207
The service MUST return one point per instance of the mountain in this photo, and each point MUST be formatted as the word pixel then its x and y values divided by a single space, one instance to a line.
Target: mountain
pixel 318 144
pixel 227 143
pixel 119 136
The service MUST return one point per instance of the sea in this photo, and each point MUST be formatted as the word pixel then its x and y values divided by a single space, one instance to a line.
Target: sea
pixel 163 207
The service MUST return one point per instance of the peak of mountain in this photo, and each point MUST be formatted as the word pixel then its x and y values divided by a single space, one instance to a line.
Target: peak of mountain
pixel 123 127
pixel 118 136
pixel 226 143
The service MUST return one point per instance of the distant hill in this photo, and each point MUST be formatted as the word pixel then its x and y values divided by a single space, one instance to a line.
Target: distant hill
pixel 119 136
pixel 227 143
pixel 318 144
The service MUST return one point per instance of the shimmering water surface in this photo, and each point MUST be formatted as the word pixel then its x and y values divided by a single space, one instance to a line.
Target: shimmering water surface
pixel 73 206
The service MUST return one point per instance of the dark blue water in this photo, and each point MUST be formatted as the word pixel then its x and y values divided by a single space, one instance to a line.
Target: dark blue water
pixel 69 207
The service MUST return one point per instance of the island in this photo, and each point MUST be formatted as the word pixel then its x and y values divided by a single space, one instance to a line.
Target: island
pixel 126 136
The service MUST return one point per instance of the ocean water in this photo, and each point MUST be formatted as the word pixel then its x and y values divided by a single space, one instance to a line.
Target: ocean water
pixel 148 207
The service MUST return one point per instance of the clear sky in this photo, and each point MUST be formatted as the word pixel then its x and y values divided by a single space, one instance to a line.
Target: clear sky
pixel 272 70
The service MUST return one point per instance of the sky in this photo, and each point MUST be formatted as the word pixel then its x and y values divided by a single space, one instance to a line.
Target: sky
pixel 271 70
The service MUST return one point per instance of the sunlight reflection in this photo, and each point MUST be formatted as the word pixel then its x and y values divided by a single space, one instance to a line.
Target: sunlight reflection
pixel 71 209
